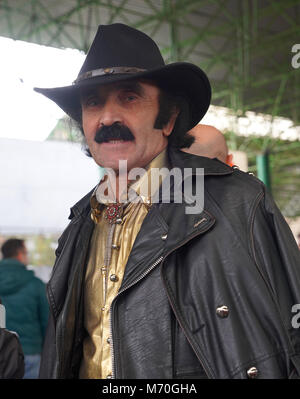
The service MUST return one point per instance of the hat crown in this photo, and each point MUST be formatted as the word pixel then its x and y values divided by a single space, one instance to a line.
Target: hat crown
pixel 119 45
pixel 119 53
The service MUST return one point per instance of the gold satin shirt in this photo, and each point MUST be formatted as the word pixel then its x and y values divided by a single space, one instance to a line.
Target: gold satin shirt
pixel 110 247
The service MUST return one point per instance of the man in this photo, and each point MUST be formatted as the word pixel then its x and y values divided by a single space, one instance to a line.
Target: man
pixel 24 298
pixel 209 142
pixel 149 287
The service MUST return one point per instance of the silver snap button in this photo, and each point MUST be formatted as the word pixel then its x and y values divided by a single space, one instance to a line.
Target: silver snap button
pixel 119 221
pixel 114 278
pixel 164 237
pixel 252 372
pixel 114 246
pixel 109 376
pixel 108 340
pixel 222 311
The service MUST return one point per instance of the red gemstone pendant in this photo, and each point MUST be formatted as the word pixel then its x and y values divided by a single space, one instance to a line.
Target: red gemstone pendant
pixel 113 212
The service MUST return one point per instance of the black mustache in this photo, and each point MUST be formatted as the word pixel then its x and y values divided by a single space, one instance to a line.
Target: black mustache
pixel 115 131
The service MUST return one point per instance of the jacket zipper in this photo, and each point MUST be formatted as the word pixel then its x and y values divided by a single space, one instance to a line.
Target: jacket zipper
pixel 110 310
pixel 209 374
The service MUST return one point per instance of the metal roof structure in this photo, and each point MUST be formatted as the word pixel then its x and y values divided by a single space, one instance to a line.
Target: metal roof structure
pixel 248 48
pixel 245 47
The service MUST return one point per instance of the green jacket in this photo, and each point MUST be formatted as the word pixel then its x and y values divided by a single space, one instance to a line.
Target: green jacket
pixel 24 298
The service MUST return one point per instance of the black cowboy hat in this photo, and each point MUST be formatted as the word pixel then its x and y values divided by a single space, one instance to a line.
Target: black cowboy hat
pixel 120 53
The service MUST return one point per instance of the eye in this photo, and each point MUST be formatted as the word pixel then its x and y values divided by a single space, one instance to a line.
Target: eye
pixel 129 97
pixel 91 102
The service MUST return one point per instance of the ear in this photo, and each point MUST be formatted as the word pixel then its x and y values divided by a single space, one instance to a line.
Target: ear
pixel 19 256
pixel 229 159
pixel 167 129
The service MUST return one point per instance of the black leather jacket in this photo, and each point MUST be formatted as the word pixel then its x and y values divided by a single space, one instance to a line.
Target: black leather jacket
pixel 205 295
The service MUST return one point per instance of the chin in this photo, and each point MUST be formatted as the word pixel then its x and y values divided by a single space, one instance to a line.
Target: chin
pixel 111 164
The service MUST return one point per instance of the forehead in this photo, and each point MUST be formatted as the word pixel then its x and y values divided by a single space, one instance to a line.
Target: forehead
pixel 141 87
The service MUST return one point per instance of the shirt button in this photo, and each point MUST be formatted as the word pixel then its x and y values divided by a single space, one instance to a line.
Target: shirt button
pixel 108 340
pixel 114 246
pixel 114 278
pixel 109 376
pixel 119 221
pixel 103 308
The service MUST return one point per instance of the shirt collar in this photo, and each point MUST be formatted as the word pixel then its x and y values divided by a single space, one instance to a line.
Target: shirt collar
pixel 145 186
pixel 140 189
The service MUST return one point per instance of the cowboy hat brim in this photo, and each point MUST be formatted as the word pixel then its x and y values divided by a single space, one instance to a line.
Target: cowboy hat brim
pixel 180 77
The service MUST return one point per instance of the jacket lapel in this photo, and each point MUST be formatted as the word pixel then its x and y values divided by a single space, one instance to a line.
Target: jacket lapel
pixel 150 245
pixel 167 225
pixel 165 228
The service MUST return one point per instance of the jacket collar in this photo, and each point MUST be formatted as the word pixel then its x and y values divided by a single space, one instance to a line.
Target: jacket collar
pixel 82 206
pixel 183 160
pixel 177 158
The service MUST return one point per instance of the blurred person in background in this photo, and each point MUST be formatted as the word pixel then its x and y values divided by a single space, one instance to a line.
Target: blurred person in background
pixel 209 142
pixel 24 298
pixel 11 353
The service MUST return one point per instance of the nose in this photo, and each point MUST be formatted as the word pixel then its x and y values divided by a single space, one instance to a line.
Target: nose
pixel 110 113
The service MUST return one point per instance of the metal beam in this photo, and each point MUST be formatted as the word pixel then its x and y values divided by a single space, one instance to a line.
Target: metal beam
pixel 117 11
pixel 263 168
pixel 63 18
pixel 183 7
pixel 222 90
pixel 169 7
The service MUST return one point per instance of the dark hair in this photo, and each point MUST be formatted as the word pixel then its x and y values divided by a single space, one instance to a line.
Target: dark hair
pixel 11 247
pixel 169 102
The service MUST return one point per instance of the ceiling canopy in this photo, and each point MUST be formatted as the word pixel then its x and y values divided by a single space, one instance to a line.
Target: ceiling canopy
pixel 245 47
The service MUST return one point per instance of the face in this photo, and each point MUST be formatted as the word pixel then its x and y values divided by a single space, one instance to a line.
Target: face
pixel 131 104
pixel 23 255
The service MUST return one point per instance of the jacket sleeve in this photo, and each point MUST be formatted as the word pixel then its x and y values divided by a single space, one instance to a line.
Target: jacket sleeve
pixel 43 308
pixel 48 359
pixel 274 247
pixel 277 257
